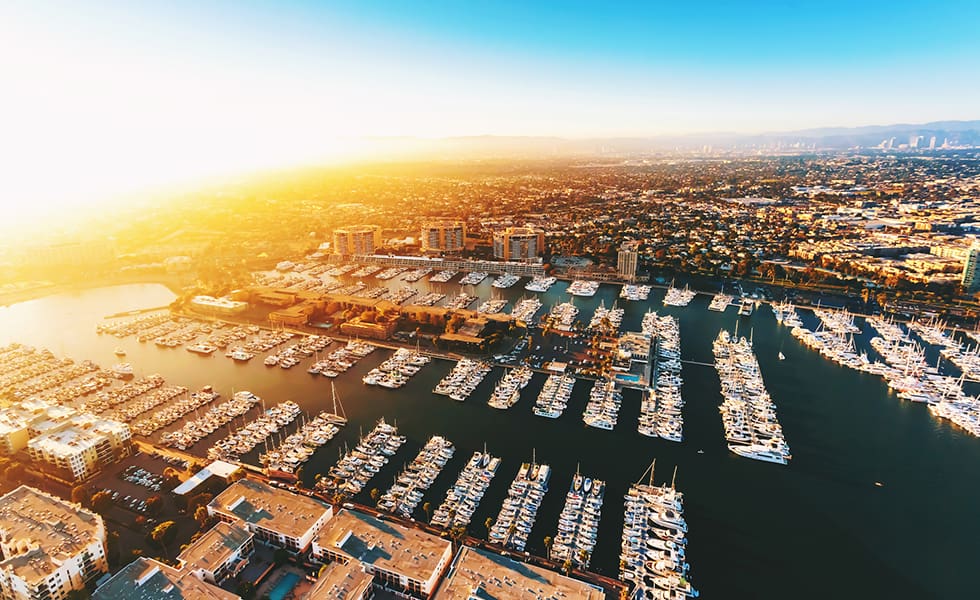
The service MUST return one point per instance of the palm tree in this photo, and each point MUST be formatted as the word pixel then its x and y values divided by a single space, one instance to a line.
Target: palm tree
pixel 488 523
pixel 547 543
pixel 427 506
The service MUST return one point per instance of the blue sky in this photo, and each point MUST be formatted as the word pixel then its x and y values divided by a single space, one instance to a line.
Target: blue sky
pixel 118 95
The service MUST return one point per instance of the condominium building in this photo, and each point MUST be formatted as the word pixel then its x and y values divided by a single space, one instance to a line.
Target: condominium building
pixel 518 243
pixel 402 557
pixel 147 579
pixel 48 546
pixel 482 574
pixel 971 269
pixel 218 306
pixel 627 260
pixel 361 239
pixel 443 236
pixel 78 448
pixel 339 581
pixel 222 552
pixel 272 515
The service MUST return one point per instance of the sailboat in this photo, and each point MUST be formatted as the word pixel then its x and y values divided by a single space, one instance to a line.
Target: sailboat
pixel 782 356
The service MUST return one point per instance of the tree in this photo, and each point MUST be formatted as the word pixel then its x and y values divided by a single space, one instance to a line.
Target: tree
pixel 81 495
pixel 154 504
pixel 427 507
pixel 246 590
pixel 202 517
pixel 488 523
pixel 101 502
pixel 164 534
pixel 547 543
pixel 375 494
pixel 112 547
pixel 567 566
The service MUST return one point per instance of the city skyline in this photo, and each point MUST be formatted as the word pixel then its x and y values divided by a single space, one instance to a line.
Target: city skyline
pixel 118 98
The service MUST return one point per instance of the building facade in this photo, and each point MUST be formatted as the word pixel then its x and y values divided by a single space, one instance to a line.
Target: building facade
pixel 518 243
pixel 443 237
pixel 971 269
pixel 273 516
pixel 80 447
pixel 48 546
pixel 222 552
pixel 627 261
pixel 399 557
pixel 362 239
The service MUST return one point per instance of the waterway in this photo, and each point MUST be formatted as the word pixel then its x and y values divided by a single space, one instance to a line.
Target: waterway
pixel 818 528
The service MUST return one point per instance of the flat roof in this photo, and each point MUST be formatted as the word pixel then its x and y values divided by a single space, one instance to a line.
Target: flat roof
pixel 218 468
pixel 213 548
pixel 147 579
pixel 338 581
pixel 58 530
pixel 270 508
pixel 484 574
pixel 384 544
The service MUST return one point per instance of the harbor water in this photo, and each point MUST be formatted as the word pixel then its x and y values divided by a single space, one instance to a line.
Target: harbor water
pixel 878 500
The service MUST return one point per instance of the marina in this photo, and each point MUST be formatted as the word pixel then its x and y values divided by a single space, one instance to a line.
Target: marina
pixel 578 523
pixel 473 278
pixel 397 369
pixel 356 468
pixel 720 302
pixel 492 307
pixel 653 556
pixel 525 309
pixel 679 296
pixel 607 320
pixel 809 389
pixel 553 398
pixel 407 491
pixel 443 276
pixel 583 288
pixel 508 389
pixel 505 281
pixel 540 284
pixel 661 408
pixel 464 378
pixel 463 498
pixel 215 418
pixel 748 412
pixel 602 411
pixel 635 293
pixel 513 524
pixel 232 447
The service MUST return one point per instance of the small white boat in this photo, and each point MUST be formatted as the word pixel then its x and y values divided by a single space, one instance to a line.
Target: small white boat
pixel 782 356
pixel 119 352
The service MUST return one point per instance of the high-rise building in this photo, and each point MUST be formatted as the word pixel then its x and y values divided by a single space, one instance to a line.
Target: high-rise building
pixel 627 260
pixel 518 243
pixel 443 236
pixel 48 547
pixel 357 240
pixel 971 269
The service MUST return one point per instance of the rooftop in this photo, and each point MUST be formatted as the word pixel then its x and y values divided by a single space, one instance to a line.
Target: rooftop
pixel 384 544
pixel 213 548
pixel 340 582
pixel 146 579
pixel 47 529
pixel 483 574
pixel 270 508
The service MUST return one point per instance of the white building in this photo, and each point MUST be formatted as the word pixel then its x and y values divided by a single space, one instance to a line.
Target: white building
pixel 361 239
pixel 221 306
pixel 627 261
pixel 272 515
pixel 48 546
pixel 222 552
pixel 971 269
pixel 147 579
pixel 78 448
pixel 398 556
pixel 444 236
pixel 518 243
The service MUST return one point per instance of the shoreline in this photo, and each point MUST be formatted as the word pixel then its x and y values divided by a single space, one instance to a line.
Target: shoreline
pixel 36 293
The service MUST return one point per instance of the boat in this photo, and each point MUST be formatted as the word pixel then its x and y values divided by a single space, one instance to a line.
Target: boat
pixel 505 281
pixel 241 355
pixel 745 308
pixel 119 352
pixel 782 356
pixel 202 349
pixel 122 371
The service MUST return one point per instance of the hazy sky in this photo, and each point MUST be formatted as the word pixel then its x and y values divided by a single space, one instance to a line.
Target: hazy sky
pixel 102 97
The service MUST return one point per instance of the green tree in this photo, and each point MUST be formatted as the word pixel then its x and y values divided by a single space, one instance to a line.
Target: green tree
pixel 567 566
pixel 81 495
pixel 154 504
pixel 101 502
pixel 427 508
pixel 164 534
pixel 375 494
pixel 547 543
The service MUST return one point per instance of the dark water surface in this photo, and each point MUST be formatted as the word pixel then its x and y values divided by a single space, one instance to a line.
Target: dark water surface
pixel 818 528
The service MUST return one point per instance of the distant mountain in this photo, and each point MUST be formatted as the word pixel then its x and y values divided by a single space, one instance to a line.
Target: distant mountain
pixel 955 133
